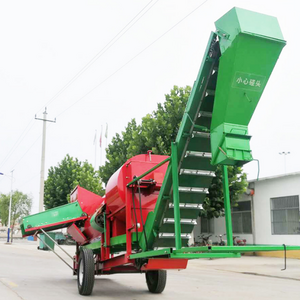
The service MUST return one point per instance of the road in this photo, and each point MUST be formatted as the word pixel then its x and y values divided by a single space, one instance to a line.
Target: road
pixel 29 274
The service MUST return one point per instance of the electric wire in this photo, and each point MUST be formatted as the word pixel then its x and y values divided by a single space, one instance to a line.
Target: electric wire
pixel 33 177
pixel 92 61
pixel 134 57
pixel 98 55
pixel 103 50
pixel 17 143
pixel 27 151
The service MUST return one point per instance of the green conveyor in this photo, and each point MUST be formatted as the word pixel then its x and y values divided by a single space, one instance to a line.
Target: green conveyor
pixel 237 63
pixel 52 219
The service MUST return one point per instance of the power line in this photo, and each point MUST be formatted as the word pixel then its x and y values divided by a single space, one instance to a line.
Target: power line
pixel 33 177
pixel 134 57
pixel 27 151
pixel 98 55
pixel 103 50
pixel 16 144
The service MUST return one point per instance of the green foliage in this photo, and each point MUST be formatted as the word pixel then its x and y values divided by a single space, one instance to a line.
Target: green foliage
pixel 117 151
pixel 156 133
pixel 213 205
pixel 20 207
pixel 65 177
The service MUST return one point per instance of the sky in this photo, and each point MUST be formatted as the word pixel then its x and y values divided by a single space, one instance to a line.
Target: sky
pixel 93 63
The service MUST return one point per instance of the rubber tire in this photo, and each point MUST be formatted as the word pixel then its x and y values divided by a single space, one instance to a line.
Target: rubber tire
pixel 86 262
pixel 156 281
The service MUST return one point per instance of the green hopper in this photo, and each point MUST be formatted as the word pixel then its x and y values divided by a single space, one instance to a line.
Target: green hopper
pixel 249 51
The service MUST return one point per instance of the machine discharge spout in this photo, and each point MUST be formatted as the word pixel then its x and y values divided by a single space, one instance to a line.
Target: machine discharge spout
pixel 249 51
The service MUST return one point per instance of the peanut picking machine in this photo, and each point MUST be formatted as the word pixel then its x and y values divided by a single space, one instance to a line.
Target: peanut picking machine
pixel 144 221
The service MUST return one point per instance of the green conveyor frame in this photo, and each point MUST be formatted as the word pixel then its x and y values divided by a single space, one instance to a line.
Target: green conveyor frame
pixel 249 46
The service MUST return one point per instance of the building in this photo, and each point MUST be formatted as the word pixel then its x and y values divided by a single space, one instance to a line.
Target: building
pixel 268 213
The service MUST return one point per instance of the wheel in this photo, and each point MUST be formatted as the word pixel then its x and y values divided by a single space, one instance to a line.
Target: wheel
pixel 156 281
pixel 86 272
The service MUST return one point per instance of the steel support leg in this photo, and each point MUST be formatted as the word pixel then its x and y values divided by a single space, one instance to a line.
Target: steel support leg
pixel 174 162
pixel 227 206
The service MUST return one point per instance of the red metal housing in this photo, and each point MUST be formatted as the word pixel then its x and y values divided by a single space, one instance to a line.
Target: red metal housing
pixel 149 190
pixel 89 203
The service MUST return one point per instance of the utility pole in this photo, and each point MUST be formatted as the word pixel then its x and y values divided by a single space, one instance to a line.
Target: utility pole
pixel 9 210
pixel 44 119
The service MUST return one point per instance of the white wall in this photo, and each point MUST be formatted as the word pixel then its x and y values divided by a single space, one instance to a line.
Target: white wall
pixel 219 228
pixel 288 185
pixel 265 189
pixel 219 225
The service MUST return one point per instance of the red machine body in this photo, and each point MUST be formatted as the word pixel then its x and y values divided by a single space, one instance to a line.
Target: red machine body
pixel 147 190
pixel 89 203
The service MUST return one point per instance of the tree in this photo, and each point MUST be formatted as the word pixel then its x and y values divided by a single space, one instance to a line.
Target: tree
pixel 213 205
pixel 65 177
pixel 156 132
pixel 20 207
pixel 118 150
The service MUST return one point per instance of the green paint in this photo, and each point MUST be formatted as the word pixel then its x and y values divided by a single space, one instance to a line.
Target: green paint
pixel 255 248
pixel 94 224
pixel 235 249
pixel 234 145
pixel 250 44
pixel 205 255
pixel 197 100
pixel 174 162
pixel 121 239
pixel 65 213
pixel 247 81
pixel 93 246
pixel 192 249
pixel 160 252
pixel 227 207
pixel 239 20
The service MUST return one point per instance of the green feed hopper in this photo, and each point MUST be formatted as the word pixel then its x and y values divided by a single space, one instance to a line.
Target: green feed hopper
pixel 250 44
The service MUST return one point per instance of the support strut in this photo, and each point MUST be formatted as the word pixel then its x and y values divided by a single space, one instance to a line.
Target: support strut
pixel 227 206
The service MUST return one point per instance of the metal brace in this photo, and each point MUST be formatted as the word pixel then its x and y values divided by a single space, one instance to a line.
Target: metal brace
pixel 44 232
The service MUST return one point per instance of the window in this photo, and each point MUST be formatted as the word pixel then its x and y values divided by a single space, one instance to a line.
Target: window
pixel 241 218
pixel 285 215
pixel 207 225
